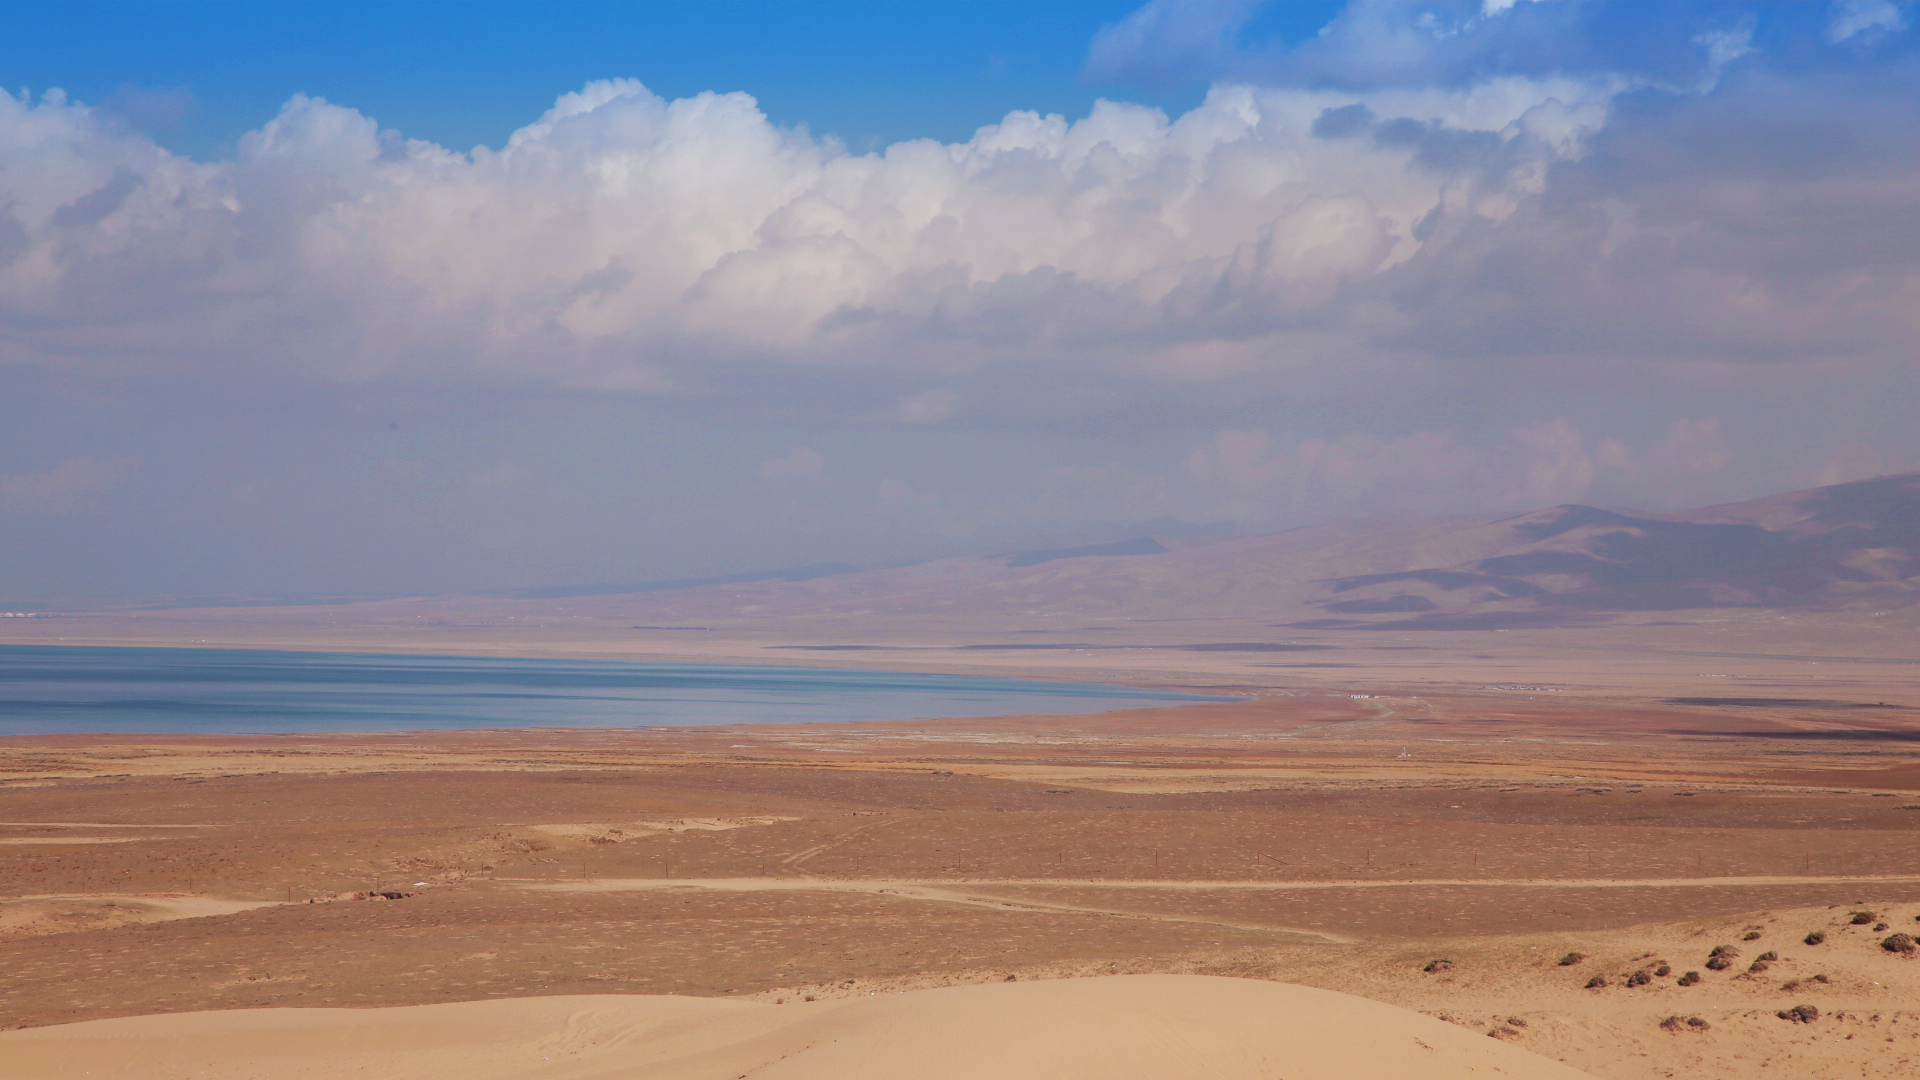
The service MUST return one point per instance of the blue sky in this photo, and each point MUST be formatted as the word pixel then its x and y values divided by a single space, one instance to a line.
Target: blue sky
pixel 395 297
pixel 199 75
pixel 463 74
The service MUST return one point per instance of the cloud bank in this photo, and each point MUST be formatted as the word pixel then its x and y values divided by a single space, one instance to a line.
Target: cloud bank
pixel 1438 258
pixel 627 242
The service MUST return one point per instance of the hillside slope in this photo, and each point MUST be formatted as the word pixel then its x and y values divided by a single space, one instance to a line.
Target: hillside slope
pixel 1849 545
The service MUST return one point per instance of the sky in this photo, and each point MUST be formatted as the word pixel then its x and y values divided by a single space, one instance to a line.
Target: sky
pixel 349 298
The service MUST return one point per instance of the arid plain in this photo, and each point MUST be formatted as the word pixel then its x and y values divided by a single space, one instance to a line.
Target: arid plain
pixel 1534 830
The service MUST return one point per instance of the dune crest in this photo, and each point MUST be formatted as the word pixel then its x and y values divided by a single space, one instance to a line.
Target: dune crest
pixel 1149 1027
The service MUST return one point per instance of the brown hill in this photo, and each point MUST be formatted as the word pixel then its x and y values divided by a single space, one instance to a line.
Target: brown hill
pixel 1848 545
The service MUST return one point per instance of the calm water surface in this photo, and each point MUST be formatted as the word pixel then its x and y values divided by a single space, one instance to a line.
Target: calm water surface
pixel 48 689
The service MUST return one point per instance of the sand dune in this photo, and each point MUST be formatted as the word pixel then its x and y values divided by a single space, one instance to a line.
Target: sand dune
pixel 29 916
pixel 1151 1027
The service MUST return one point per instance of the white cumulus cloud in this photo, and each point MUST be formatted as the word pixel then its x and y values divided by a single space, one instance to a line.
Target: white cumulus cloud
pixel 629 242
pixel 1851 18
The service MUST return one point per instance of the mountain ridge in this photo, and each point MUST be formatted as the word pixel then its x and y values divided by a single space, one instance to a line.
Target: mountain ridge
pixel 1839 545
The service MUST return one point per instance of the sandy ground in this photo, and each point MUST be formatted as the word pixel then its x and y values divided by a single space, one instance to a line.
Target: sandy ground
pixel 32 916
pixel 1151 1027
pixel 1493 801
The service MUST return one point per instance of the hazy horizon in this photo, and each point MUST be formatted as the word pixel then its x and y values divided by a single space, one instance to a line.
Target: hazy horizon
pixel 677 291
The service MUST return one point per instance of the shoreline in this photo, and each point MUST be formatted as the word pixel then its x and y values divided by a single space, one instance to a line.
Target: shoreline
pixel 1024 693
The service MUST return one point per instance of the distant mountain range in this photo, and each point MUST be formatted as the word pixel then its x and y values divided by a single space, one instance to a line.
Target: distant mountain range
pixel 1849 545
pixel 796 573
pixel 1142 545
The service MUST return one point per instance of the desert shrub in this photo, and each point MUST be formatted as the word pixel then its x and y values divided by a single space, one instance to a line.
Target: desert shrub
pixel 1769 956
pixel 1800 1014
pixel 1517 1021
pixel 1690 1023
pixel 1434 966
pixel 1899 943
pixel 1879 928
pixel 1598 982
pixel 1719 963
pixel 1757 967
pixel 1640 978
pixel 1572 958
pixel 1862 918
pixel 1816 938
pixel 1689 978
pixel 1663 970
pixel 1751 935
pixel 1819 978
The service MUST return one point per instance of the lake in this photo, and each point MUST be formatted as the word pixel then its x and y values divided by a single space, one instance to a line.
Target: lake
pixel 52 689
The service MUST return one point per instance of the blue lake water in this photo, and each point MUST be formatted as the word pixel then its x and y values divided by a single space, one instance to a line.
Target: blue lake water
pixel 51 689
